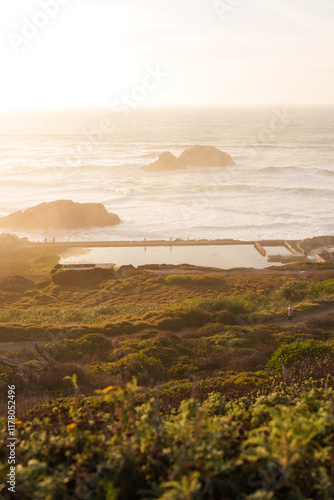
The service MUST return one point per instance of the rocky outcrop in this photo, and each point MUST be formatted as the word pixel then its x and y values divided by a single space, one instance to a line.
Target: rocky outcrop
pixel 82 278
pixel 166 161
pixel 310 244
pixel 61 214
pixel 196 156
pixel 16 284
pixel 206 156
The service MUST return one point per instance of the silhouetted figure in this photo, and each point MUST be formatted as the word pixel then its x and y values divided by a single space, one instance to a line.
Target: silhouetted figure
pixel 290 312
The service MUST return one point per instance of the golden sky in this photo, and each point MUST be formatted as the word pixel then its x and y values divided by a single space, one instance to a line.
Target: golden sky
pixel 83 53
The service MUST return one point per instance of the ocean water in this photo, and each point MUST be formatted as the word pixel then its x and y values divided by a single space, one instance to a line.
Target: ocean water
pixel 281 187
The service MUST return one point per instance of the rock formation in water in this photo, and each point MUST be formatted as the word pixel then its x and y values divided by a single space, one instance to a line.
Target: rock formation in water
pixel 166 161
pixel 196 156
pixel 61 214
pixel 206 156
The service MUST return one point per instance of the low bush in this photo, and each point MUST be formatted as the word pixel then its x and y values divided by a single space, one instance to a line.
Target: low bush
pixel 289 353
pixel 93 345
pixel 298 290
pixel 182 367
pixel 295 291
pixel 311 367
pixel 51 379
pixel 271 445
pixel 146 369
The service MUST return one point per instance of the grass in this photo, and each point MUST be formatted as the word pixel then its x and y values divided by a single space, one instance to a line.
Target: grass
pixel 211 410
pixel 62 316
pixel 241 304
pixel 29 261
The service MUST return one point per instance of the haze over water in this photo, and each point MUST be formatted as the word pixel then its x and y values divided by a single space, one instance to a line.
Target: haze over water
pixel 282 186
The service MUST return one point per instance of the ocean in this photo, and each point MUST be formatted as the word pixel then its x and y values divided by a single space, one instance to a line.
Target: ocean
pixel 281 187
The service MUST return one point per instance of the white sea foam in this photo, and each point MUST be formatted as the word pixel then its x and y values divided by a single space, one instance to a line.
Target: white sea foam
pixel 279 189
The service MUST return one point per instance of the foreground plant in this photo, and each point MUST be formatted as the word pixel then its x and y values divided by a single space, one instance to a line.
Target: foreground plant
pixel 274 446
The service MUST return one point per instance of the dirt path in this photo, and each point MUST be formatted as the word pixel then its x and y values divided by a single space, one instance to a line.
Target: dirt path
pixel 300 317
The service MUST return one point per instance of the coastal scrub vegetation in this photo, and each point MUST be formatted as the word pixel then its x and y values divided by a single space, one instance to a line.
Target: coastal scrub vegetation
pixel 173 385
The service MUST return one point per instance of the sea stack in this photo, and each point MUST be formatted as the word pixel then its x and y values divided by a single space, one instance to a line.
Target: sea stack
pixel 206 156
pixel 61 214
pixel 166 161
pixel 195 156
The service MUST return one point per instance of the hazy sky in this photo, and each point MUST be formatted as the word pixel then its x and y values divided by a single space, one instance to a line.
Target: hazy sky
pixel 70 53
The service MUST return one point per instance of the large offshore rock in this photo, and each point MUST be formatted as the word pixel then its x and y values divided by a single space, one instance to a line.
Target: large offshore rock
pixel 166 161
pixel 206 156
pixel 61 214
pixel 196 156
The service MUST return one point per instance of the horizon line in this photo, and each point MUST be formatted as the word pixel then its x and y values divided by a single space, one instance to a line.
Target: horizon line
pixel 168 106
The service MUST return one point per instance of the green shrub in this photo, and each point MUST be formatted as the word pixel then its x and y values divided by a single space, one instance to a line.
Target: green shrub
pixel 90 345
pixel 270 446
pixel 289 353
pixel 326 287
pixel 310 367
pixel 295 291
pixel 138 365
pixel 184 366
pixel 166 354
pixel 94 344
